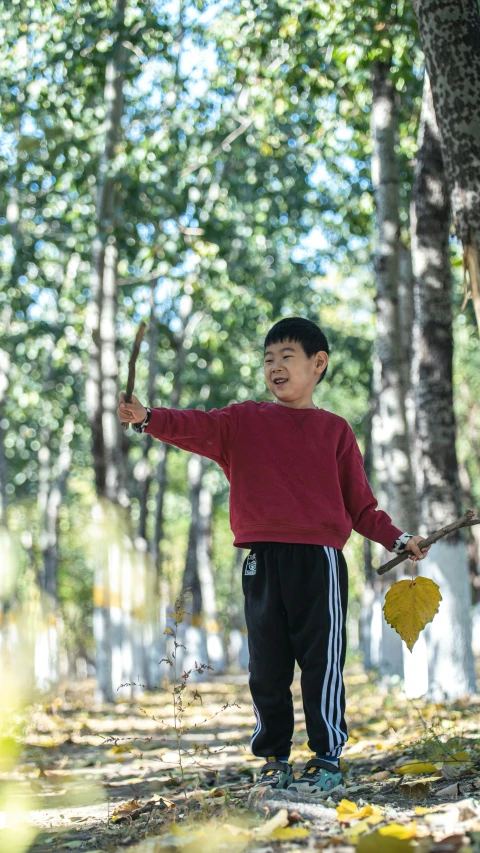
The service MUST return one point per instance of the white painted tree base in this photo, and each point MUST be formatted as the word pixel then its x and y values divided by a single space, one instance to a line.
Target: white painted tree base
pixel 195 651
pixel 446 650
pixel 415 667
pixel 46 655
pixel 238 650
pixel 476 629
pixel 215 652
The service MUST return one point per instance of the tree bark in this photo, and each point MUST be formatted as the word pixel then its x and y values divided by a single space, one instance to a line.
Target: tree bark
pixel 190 576
pixel 4 383
pixel 450 33
pixel 192 630
pixel 473 540
pixel 391 453
pixel 365 619
pixel 56 494
pixel 447 639
pixel 206 576
pixel 101 386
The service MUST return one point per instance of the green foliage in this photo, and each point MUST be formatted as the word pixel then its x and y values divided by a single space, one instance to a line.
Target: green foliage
pixel 245 187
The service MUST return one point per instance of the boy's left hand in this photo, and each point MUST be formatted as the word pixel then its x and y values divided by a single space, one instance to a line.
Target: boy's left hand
pixel 412 545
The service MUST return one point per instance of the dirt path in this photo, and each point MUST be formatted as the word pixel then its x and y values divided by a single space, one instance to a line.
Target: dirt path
pixel 108 778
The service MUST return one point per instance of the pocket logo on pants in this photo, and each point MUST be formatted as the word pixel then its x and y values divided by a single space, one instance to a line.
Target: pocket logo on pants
pixel 251 567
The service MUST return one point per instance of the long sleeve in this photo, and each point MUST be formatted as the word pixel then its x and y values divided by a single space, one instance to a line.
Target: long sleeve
pixel 360 501
pixel 210 434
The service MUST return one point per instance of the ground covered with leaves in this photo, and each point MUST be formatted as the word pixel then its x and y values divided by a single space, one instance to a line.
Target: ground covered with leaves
pixel 108 777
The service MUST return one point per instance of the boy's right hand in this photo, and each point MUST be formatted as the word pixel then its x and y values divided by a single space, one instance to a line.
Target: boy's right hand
pixel 131 413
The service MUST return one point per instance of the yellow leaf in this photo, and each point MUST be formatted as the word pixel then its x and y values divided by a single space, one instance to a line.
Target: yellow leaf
pixel 347 811
pixel 398 830
pixel 289 832
pixel 388 839
pixel 117 749
pixel 278 821
pixel 362 826
pixel 422 810
pixel 409 605
pixel 416 767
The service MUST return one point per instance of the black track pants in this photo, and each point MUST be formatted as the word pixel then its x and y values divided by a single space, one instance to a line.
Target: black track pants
pixel 295 609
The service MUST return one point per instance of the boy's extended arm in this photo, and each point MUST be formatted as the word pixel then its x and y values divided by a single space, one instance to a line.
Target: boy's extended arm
pixel 210 434
pixel 360 501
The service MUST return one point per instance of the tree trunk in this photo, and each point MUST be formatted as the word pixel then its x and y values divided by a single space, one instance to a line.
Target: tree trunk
pixel 237 645
pixel 450 33
pixel 215 652
pixel 4 383
pixel 366 622
pixel 472 534
pixel 101 386
pixel 192 631
pixel 390 431
pixel 155 650
pixel 447 640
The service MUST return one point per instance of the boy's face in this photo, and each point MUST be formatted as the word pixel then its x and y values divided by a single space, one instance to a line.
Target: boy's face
pixel 286 360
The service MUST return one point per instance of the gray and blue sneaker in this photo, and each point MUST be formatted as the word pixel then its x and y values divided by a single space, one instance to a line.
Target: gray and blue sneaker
pixel 274 774
pixel 318 779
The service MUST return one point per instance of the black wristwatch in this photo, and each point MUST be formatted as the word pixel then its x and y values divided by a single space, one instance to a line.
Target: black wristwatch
pixel 140 427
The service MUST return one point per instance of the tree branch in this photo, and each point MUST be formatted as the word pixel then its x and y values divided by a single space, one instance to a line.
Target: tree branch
pixel 131 366
pixel 244 125
pixel 465 521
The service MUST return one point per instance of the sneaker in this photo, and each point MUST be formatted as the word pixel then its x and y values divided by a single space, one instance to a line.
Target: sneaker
pixel 274 774
pixel 318 779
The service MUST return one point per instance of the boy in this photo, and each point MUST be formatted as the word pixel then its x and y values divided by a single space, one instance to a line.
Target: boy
pixel 297 488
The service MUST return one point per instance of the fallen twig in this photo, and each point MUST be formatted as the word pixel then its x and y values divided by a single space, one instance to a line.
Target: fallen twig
pixel 465 521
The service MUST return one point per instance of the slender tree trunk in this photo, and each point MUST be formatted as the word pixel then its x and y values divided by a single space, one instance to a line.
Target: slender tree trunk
pixel 447 639
pixel 394 479
pixel 366 623
pixel 155 649
pixel 215 650
pixel 191 580
pixel 472 533
pixel 237 639
pixel 101 387
pixel 192 629
pixel 101 384
pixel 4 383
pixel 450 33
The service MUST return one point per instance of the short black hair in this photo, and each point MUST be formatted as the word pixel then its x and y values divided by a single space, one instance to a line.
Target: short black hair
pixel 300 331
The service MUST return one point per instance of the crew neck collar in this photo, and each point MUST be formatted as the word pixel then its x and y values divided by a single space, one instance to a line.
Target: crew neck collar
pixel 293 409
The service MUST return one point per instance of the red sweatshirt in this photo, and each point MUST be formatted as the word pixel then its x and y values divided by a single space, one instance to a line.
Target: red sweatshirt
pixel 296 475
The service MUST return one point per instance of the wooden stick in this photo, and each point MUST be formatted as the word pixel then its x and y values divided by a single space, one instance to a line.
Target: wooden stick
pixel 131 366
pixel 465 521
